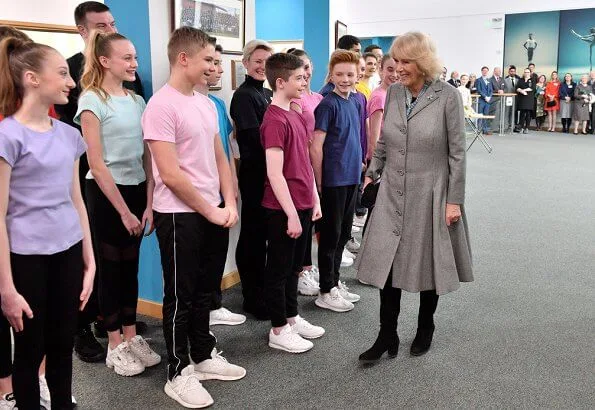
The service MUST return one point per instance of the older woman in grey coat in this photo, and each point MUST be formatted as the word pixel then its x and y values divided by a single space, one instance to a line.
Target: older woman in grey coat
pixel 417 238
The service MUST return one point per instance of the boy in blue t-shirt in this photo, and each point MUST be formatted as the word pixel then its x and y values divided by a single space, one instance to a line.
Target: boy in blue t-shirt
pixel 336 155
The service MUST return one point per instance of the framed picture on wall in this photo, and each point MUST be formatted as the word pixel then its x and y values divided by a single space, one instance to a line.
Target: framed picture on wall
pixel 223 19
pixel 340 31
pixel 238 73
pixel 281 46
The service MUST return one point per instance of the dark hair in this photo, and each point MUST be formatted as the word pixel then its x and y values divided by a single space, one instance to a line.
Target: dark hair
pixel 486 67
pixel 218 48
pixel 512 67
pixel 531 64
pixel 80 12
pixel 347 42
pixel 372 47
pixel 367 55
pixel 16 57
pixel 186 39
pixel 298 52
pixel 9 31
pixel 281 65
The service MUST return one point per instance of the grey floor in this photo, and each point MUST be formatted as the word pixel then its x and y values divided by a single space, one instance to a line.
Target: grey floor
pixel 521 336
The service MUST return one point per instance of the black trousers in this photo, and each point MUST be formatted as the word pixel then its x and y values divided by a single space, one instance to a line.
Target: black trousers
pixel 525 118
pixel 360 210
pixel 5 348
pixel 338 206
pixel 51 285
pixel 251 247
pixel 284 263
pixel 190 246
pixel 390 307
pixel 117 253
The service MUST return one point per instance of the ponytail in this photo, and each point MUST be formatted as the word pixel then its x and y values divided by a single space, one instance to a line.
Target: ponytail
pixel 17 56
pixel 98 45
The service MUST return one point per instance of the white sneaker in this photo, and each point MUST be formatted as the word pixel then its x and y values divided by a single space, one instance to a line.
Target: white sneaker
pixel 359 221
pixel 7 402
pixel 345 294
pixel 223 316
pixel 355 229
pixel 187 390
pixel 353 245
pixel 305 329
pixel 123 361
pixel 218 368
pixel 346 261
pixel 289 341
pixel 348 254
pixel 315 273
pixel 44 393
pixel 333 301
pixel 307 285
pixel 143 351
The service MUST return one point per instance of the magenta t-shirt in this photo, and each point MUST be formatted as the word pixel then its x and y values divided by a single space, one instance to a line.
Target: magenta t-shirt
pixel 377 100
pixel 41 218
pixel 189 122
pixel 308 103
pixel 287 130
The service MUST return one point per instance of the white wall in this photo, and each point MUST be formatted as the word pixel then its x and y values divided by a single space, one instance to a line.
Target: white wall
pixel 40 11
pixel 461 30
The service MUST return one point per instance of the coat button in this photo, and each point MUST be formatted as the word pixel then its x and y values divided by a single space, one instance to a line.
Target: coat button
pixel 399 212
pixel 400 193
pixel 401 172
pixel 397 232
pixel 403 130
pixel 402 151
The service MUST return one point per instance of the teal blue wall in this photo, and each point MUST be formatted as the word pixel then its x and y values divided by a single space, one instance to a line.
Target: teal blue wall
pixel 279 20
pixel 316 38
pixel 383 42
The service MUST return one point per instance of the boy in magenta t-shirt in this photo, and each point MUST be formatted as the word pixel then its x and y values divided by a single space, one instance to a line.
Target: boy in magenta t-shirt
pixel 191 174
pixel 291 203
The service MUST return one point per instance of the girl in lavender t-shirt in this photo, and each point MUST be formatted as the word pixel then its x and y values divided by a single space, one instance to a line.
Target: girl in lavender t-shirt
pixel 46 258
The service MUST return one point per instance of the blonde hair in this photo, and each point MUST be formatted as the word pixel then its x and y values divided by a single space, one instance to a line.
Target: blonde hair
pixel 254 45
pixel 187 40
pixel 420 49
pixel 99 45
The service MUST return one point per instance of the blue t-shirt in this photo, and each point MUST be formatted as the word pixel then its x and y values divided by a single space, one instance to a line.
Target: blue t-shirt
pixel 342 152
pixel 328 87
pixel 225 127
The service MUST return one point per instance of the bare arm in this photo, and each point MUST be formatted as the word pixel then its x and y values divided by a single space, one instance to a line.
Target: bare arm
pixel 316 155
pixel 274 158
pixel 91 127
pixel 375 127
pixel 166 159
pixel 226 182
pixel 88 257
pixel 148 214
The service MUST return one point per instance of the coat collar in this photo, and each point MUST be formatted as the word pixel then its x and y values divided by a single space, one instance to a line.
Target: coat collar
pixel 432 94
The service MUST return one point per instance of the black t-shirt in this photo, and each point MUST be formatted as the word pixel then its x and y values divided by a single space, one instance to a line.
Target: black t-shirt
pixel 76 64
pixel 248 105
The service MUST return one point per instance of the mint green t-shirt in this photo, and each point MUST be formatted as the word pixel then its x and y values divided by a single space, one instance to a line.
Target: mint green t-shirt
pixel 121 134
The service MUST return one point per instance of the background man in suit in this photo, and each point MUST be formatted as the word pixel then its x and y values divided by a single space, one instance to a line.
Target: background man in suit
pixel 454 79
pixel 484 89
pixel 497 83
pixel 510 85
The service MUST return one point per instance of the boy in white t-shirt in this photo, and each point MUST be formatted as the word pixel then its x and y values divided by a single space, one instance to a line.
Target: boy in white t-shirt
pixel 191 174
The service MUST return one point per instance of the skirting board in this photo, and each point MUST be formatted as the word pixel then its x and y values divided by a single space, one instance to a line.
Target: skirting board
pixel 154 309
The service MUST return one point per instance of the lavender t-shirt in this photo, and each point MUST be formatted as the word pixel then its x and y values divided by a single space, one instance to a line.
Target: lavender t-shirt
pixel 41 218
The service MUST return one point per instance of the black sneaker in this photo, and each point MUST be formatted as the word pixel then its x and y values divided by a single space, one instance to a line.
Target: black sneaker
pixel 87 348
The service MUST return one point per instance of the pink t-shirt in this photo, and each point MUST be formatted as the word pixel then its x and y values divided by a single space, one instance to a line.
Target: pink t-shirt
pixel 308 103
pixel 191 124
pixel 376 101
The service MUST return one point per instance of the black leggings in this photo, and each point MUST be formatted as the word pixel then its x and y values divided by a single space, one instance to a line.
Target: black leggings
pixel 117 253
pixel 5 348
pixel 51 285
pixel 525 119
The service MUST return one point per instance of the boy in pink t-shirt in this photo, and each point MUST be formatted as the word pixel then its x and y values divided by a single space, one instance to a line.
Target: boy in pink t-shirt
pixel 191 174
pixel 291 203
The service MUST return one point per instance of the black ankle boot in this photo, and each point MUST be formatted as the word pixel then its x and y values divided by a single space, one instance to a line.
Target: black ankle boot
pixel 384 343
pixel 423 340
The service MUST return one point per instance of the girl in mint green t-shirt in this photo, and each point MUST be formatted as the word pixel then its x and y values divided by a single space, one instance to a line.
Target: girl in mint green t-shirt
pixel 119 189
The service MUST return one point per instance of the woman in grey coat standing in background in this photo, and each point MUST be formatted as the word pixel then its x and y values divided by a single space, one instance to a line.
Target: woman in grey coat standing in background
pixel 417 238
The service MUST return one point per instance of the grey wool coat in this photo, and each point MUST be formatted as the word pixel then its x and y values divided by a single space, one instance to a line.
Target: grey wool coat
pixel 421 162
